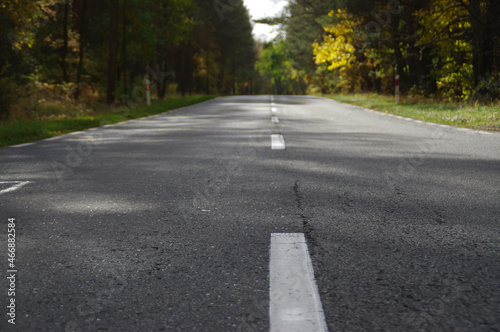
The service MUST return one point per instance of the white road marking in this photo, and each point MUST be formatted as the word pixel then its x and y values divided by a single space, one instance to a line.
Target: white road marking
pixel 274 109
pixel 275 119
pixel 295 304
pixel 277 142
pixel 52 138
pixel 272 103
pixel 16 185
pixel 21 145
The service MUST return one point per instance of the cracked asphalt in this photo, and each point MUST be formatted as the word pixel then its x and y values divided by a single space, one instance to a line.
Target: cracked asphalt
pixel 164 223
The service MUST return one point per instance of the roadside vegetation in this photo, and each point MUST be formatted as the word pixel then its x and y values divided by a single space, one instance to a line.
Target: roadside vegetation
pixel 466 115
pixel 447 50
pixel 58 120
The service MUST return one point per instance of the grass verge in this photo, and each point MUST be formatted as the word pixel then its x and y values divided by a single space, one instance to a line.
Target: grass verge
pixel 19 132
pixel 475 116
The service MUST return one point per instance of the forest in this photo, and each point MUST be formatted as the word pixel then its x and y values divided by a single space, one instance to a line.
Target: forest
pixel 445 49
pixel 71 50
pixel 83 51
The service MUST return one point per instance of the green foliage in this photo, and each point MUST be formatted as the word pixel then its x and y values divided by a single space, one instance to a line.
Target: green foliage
pixel 276 68
pixel 59 50
pixel 462 115
pixel 443 48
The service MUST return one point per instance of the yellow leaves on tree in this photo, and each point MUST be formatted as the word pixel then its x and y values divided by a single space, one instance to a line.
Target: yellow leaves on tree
pixel 337 47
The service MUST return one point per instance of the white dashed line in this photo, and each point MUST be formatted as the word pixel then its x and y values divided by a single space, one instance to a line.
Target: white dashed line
pixel 275 119
pixel 277 142
pixel 274 109
pixel 295 304
pixel 15 185
pixel 52 138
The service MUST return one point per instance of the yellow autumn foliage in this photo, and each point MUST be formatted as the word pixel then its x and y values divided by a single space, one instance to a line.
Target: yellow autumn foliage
pixel 337 47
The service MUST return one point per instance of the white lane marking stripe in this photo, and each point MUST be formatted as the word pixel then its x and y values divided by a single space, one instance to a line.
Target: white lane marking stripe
pixel 21 145
pixel 277 142
pixel 17 185
pixel 275 119
pixel 295 304
pixel 53 138
pixel 274 109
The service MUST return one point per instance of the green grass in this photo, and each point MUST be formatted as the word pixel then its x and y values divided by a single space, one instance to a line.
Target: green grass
pixel 476 116
pixel 19 132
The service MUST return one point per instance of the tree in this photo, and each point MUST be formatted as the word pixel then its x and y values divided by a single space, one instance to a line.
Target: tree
pixel 81 17
pixel 113 45
pixel 483 15
pixel 237 57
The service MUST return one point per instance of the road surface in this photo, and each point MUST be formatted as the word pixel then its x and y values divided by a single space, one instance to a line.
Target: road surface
pixel 165 223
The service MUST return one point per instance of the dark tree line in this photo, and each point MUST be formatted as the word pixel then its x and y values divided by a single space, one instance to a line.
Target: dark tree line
pixel 88 47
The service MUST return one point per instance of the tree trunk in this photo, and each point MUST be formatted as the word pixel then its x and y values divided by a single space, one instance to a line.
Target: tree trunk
pixel 124 47
pixel 208 69
pixel 113 34
pixel 81 16
pixel 398 56
pixel 482 43
pixel 64 52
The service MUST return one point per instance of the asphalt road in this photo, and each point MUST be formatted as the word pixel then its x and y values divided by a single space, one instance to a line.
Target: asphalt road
pixel 164 223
